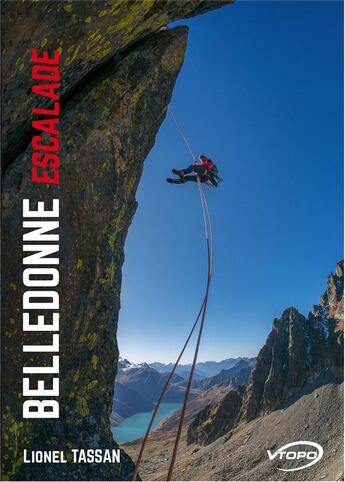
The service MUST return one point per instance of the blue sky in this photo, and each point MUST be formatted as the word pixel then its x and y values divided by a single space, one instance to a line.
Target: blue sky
pixel 260 92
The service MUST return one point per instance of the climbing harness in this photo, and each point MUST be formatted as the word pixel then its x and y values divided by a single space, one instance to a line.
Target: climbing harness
pixel 201 314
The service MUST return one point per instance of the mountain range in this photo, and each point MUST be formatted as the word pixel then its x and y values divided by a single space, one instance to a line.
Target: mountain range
pixel 294 392
pixel 202 369
pixel 298 351
pixel 138 386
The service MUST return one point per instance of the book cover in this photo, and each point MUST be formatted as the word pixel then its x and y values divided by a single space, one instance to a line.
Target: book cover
pixel 172 225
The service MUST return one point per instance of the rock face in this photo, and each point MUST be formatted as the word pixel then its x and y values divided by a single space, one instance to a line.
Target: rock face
pixel 298 351
pixel 87 34
pixel 317 415
pixel 108 127
pixel 208 424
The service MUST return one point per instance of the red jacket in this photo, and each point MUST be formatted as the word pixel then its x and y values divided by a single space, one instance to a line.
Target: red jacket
pixel 207 164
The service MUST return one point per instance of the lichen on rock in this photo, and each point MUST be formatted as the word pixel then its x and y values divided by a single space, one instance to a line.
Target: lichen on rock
pixel 87 34
pixel 103 159
pixel 117 75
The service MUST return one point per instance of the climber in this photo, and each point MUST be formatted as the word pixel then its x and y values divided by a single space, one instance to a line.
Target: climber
pixel 207 172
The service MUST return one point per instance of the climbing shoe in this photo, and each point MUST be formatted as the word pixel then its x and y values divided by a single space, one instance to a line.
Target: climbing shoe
pixel 174 181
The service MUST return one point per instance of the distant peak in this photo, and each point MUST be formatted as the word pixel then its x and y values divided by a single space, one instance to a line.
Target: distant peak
pixel 339 269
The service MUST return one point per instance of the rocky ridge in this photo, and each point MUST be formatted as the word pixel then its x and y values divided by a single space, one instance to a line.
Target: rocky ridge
pixel 237 375
pixel 316 414
pixel 202 369
pixel 298 351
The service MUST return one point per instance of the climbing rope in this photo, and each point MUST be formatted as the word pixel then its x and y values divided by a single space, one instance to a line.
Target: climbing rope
pixel 148 430
pixel 190 380
pixel 182 134
pixel 201 313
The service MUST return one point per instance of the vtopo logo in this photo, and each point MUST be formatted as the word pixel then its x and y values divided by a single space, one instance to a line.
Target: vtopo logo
pixel 311 456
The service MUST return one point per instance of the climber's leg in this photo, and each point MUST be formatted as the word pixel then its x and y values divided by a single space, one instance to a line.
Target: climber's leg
pixel 182 172
pixel 191 178
pixel 176 181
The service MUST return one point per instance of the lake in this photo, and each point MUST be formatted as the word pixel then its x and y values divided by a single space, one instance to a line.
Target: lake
pixel 135 426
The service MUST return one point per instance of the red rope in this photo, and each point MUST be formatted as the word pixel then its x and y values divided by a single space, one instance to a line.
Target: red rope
pixel 190 380
pixel 202 313
pixel 135 473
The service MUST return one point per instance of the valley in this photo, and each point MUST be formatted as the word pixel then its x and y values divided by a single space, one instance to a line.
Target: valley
pixel 137 388
pixel 294 393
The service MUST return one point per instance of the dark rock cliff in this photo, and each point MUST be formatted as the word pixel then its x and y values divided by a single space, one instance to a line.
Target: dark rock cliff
pixel 87 34
pixel 298 351
pixel 108 127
